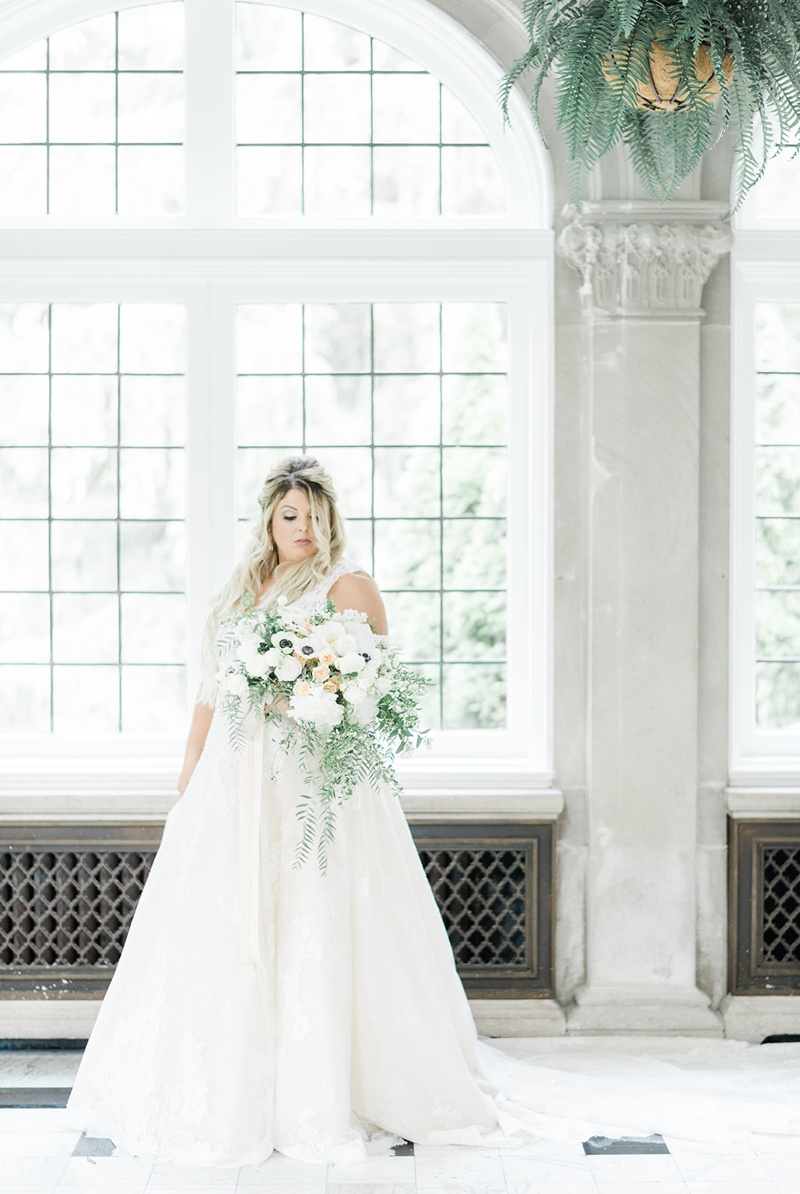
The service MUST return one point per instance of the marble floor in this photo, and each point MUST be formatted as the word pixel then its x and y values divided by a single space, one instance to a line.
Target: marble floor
pixel 40 1155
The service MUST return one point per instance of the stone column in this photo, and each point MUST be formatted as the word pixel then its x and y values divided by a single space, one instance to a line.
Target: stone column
pixel 641 288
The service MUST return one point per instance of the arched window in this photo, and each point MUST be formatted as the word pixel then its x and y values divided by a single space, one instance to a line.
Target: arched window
pixel 235 230
pixel 765 488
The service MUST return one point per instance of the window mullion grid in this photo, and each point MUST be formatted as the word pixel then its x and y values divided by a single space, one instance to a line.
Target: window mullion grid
pixel 209 130
pixel 50 500
pixel 441 523
pixel 119 514
pixel 116 134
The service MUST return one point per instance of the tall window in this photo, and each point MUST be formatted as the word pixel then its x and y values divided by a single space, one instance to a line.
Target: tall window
pixel 766 482
pixel 255 230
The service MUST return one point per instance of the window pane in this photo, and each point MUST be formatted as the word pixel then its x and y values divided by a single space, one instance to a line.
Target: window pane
pixel 380 436
pixel 110 450
pixel 777 525
pixel 23 555
pixel 85 699
pixel 474 696
pixel 85 628
pixel 25 698
pixel 23 410
pixel 114 78
pixel 91 45
pixel 303 79
pixel 84 410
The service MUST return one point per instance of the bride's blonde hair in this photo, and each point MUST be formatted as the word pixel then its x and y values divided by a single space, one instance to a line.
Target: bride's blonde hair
pixel 260 557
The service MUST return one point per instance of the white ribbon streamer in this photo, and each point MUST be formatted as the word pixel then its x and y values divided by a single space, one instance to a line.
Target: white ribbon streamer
pixel 250 799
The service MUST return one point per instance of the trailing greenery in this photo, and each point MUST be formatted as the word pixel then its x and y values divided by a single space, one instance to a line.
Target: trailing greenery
pixel 606 58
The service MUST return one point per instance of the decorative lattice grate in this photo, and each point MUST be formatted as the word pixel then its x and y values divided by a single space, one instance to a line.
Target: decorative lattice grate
pixel 482 899
pixel 764 922
pixel 68 894
pixel 781 930
pixel 68 908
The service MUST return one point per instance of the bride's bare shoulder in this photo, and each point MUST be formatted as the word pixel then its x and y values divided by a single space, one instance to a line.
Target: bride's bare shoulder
pixel 358 590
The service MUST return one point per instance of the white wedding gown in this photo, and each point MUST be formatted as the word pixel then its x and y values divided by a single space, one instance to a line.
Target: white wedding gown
pixel 352 1032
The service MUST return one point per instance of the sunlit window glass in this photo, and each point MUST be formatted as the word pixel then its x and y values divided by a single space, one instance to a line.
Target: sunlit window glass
pixel 92 118
pixel 407 405
pixel 92 526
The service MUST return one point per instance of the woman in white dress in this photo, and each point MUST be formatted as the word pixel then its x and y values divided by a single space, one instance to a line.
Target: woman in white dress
pixel 350 1031
pixel 259 1006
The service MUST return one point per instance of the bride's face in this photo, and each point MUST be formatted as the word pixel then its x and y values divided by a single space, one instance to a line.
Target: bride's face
pixel 292 529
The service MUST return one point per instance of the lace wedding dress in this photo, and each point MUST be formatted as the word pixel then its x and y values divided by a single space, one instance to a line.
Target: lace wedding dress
pixel 257 1006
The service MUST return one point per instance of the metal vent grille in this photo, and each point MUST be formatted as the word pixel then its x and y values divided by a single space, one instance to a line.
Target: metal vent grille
pixel 782 904
pixel 764 863
pixel 68 908
pixel 68 894
pixel 482 898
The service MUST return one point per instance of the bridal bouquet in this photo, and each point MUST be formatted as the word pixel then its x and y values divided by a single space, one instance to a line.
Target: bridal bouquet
pixel 351 702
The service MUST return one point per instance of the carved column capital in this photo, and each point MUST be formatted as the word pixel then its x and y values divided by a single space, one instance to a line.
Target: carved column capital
pixel 643 268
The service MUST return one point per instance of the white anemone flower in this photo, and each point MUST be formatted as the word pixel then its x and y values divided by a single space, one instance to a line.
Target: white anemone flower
pixel 285 641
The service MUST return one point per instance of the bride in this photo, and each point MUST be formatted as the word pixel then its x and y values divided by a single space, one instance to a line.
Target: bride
pixel 353 1033
pixel 347 1030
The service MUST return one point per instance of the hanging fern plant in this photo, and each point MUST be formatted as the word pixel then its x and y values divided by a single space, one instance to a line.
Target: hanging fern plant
pixel 666 77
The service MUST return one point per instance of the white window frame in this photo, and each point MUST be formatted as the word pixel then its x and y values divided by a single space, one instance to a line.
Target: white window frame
pixel 765 268
pixel 211 259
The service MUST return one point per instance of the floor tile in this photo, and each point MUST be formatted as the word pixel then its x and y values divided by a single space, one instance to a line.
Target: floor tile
pixel 546 1169
pixel 782 1169
pixel 166 1175
pixel 731 1188
pixel 374 1171
pixel 33 1119
pixel 560 1150
pixel 619 1170
pixel 467 1188
pixel 722 1167
pixel 33 1170
pixel 13 1188
pixel 100 1188
pixel 280 1170
pixel 111 1171
pixel 37 1144
pixel 630 1146
pixel 380 1188
pixel 579 1186
pixel 472 1170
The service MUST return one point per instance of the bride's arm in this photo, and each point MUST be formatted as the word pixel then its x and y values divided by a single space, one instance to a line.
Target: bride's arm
pixel 198 732
pixel 356 590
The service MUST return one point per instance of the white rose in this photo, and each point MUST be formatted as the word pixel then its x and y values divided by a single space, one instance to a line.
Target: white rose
pixel 383 684
pixel 345 644
pixel 257 665
pixel 354 694
pixel 236 683
pixel 330 631
pixel 289 668
pixel 320 707
pixel 366 710
pixel 368 677
pixel 352 662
